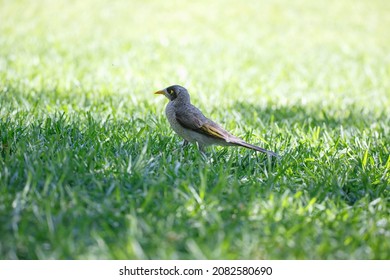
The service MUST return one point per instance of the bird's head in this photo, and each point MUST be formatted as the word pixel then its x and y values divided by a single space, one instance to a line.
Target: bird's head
pixel 175 93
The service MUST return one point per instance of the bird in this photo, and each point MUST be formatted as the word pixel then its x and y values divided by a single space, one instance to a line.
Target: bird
pixel 190 123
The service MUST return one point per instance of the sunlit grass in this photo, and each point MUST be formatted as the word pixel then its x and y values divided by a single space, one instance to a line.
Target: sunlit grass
pixel 89 167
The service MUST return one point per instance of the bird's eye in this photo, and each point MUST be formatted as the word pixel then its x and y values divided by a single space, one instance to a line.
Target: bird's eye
pixel 171 91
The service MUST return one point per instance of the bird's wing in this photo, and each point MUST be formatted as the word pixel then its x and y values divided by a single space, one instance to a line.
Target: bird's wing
pixel 192 118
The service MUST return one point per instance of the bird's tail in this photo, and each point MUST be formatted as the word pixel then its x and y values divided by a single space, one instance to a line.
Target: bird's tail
pixel 242 143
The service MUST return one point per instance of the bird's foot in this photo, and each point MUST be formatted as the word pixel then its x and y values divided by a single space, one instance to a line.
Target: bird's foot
pixel 185 143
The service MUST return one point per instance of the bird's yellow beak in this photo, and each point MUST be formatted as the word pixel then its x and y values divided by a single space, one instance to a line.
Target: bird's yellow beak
pixel 160 92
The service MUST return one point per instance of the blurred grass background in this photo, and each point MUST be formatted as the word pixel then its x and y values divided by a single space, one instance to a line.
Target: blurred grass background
pixel 86 168
pixel 286 51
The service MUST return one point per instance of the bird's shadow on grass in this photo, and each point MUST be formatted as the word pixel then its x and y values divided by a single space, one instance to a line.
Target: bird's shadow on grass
pixel 318 147
pixel 314 114
pixel 108 171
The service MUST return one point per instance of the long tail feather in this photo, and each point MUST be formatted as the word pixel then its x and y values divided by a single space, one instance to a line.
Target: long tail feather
pixel 256 148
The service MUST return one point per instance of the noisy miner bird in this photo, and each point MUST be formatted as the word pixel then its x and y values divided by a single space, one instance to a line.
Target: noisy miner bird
pixel 190 123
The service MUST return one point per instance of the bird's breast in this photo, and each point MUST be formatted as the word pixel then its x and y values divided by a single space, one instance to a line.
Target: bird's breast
pixel 183 132
pixel 171 116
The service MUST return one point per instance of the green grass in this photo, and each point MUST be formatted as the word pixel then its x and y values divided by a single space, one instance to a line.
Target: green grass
pixel 89 167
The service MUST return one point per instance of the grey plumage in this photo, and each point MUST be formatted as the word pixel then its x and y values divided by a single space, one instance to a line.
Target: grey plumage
pixel 190 123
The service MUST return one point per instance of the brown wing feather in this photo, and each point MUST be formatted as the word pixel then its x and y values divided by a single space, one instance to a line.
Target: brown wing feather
pixel 189 119
pixel 192 118
pixel 214 130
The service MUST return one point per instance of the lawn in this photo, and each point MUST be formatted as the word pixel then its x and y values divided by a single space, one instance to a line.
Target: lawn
pixel 90 169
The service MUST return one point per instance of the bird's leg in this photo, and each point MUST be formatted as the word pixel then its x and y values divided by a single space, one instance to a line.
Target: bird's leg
pixel 185 143
pixel 202 150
